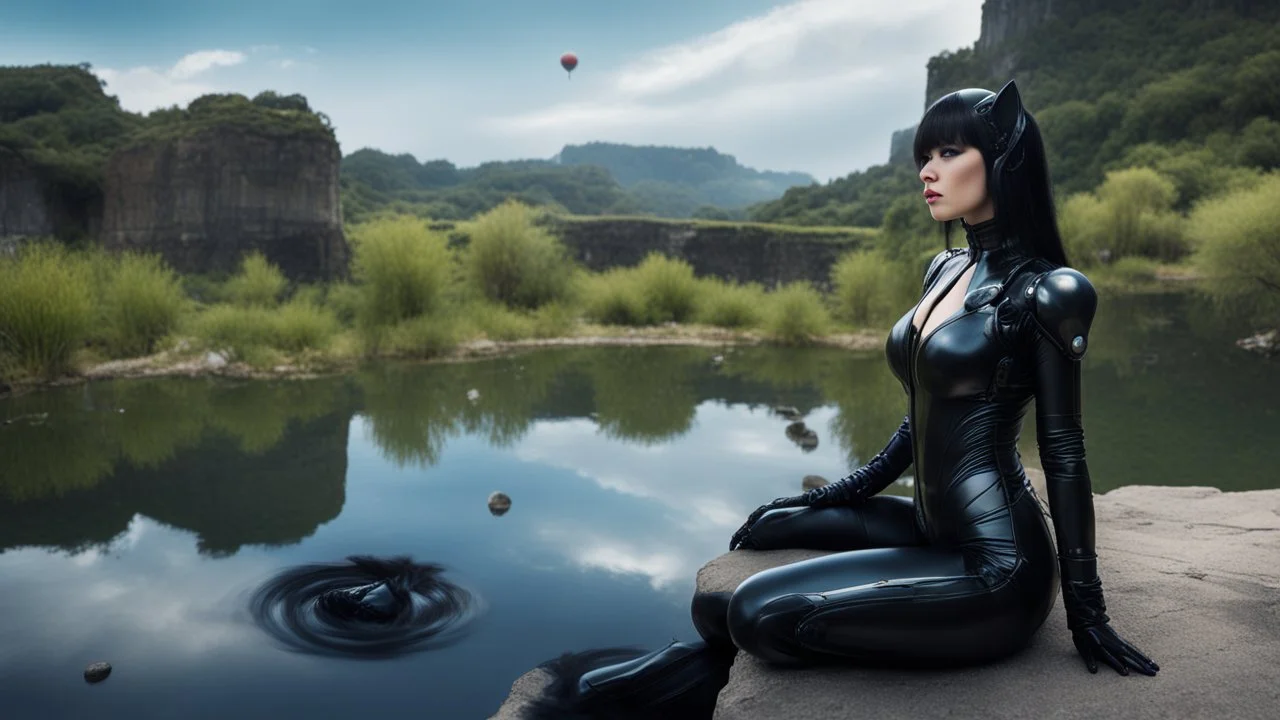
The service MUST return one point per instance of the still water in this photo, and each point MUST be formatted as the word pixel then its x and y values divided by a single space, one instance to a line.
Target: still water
pixel 137 517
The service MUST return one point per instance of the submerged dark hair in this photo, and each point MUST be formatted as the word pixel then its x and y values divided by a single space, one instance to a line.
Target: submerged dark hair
pixel 1013 154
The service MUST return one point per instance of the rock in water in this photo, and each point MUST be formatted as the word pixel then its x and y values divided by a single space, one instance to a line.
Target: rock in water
pixel 499 503
pixel 811 482
pixel 97 672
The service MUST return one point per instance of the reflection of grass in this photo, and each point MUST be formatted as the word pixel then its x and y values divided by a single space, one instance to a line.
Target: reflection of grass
pixel 645 395
pixel 69 439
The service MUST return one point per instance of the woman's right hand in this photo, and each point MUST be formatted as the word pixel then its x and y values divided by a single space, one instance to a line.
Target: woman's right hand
pixel 742 538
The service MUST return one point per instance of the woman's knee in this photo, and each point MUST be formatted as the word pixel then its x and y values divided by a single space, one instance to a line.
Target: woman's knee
pixel 762 622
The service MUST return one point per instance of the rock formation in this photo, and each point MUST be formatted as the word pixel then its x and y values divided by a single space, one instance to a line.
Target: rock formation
pixel 203 199
pixel 745 252
pixel 24 205
pixel 1191 579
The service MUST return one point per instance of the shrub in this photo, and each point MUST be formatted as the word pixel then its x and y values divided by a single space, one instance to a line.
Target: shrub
pixel 46 309
pixel 512 261
pixel 241 332
pixel 498 322
pixel 141 302
pixel 249 333
pixel 258 283
pixel 729 305
pixel 1131 214
pixel 1237 248
pixel 668 288
pixel 614 297
pixel 869 289
pixel 425 336
pixel 403 268
pixel 303 325
pixel 795 312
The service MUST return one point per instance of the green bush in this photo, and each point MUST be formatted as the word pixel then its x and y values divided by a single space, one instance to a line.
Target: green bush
pixel 141 302
pixel 614 297
pixel 1237 249
pixel 730 305
pixel 302 325
pixel 498 322
pixel 795 313
pixel 512 261
pixel 46 309
pixel 249 333
pixel 1131 214
pixel 425 336
pixel 257 284
pixel 241 332
pixel 668 287
pixel 556 319
pixel 869 289
pixel 403 269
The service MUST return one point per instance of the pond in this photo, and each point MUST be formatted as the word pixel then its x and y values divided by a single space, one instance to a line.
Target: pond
pixel 137 517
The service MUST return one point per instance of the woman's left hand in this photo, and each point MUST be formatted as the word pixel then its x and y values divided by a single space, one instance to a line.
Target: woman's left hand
pixel 1100 642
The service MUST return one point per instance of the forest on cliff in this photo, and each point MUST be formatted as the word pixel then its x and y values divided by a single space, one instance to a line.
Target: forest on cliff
pixel 1184 87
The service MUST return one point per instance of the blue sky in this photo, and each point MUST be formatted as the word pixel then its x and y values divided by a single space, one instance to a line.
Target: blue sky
pixel 813 85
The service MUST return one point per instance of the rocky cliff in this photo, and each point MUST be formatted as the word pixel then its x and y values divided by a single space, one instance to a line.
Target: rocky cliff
pixel 771 255
pixel 25 210
pixel 203 199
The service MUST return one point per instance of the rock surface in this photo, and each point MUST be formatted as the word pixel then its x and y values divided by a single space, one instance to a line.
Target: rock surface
pixel 203 200
pixel 25 210
pixel 1192 578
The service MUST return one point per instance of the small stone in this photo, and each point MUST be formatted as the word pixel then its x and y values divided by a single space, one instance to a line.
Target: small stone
pixel 787 412
pixel 97 672
pixel 499 503
pixel 812 482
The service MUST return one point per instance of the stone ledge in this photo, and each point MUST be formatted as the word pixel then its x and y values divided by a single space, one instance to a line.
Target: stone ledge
pixel 1192 577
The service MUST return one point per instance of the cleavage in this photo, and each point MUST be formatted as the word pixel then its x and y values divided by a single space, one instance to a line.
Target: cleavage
pixel 947 301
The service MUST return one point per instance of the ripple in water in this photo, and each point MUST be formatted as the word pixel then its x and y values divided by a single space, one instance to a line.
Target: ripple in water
pixel 367 606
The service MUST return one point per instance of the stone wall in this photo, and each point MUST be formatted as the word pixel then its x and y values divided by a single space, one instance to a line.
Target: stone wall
pixel 739 252
pixel 204 200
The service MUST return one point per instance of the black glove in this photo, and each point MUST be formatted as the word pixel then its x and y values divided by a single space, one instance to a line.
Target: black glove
pixel 852 489
pixel 742 538
pixel 1087 619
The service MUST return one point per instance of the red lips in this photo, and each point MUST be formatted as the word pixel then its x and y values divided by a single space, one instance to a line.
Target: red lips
pixel 931 194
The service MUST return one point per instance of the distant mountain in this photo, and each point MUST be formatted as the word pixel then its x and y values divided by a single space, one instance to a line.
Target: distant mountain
pixel 715 178
pixel 592 179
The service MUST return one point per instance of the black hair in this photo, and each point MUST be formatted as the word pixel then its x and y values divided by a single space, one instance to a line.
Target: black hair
pixel 1018 179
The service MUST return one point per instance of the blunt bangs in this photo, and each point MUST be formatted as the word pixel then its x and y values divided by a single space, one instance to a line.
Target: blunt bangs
pixel 949 121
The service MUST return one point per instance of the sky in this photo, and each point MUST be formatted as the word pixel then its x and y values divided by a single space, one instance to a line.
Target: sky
pixel 814 86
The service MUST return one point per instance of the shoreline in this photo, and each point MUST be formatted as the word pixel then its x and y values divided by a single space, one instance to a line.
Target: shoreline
pixel 192 364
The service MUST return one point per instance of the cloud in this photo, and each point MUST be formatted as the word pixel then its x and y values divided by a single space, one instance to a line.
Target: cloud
pixel 199 62
pixel 814 67
pixel 144 88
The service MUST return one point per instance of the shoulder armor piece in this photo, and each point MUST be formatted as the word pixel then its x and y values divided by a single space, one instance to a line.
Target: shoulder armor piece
pixel 935 266
pixel 1063 304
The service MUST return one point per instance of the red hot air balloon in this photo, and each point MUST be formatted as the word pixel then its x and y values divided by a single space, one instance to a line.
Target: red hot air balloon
pixel 569 61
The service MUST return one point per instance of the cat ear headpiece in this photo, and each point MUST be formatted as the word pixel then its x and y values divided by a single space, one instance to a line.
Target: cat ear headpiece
pixel 1006 119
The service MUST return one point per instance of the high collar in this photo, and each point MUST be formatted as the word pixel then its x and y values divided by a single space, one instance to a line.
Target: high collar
pixel 985 235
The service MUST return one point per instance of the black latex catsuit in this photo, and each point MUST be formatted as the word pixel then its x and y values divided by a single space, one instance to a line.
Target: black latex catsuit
pixel 966 570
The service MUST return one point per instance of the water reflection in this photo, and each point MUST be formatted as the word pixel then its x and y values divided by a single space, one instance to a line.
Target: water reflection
pixel 566 488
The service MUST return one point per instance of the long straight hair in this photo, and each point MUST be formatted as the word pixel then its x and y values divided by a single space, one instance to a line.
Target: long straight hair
pixel 1018 181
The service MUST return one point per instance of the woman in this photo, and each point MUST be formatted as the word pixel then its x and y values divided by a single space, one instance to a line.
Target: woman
pixel 966 571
